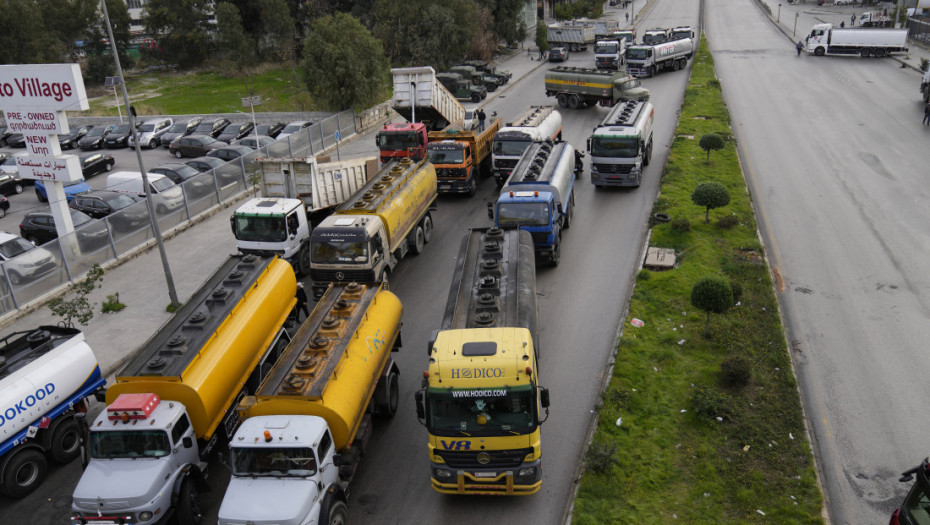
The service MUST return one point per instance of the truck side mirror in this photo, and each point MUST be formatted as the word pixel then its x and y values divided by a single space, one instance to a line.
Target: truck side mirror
pixel 187 442
pixel 432 342
pixel 544 397
pixel 588 144
pixel 83 431
pixel 421 410
pixel 558 208
pixel 491 210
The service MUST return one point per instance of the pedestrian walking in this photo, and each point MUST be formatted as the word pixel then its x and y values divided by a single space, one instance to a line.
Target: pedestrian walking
pixel 799 47
pixel 852 20
pixel 542 54
pixel 927 114
pixel 529 52
pixel 301 305
pixel 628 17
pixel 481 117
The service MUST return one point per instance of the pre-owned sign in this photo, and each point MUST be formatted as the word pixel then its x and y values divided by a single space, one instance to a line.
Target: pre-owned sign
pixel 55 87
pixel 37 122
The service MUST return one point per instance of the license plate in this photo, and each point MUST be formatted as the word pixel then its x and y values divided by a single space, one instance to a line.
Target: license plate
pixel 485 474
pixel 614 177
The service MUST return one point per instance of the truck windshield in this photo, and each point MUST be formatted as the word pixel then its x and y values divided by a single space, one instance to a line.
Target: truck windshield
pixel 523 214
pixel 259 228
pixel 612 47
pixel 487 412
pixel 388 141
pixel 445 155
pixel 637 53
pixel 129 444
pixel 331 252
pixel 510 147
pixel 630 84
pixel 627 147
pixel 257 462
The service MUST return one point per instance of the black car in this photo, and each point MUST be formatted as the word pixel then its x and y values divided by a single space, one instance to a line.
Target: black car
pixel 194 146
pixel 94 138
pixel 103 203
pixel 179 129
pixel 211 127
pixel 252 142
pixel 272 130
pixel 118 137
pixel 230 152
pixel 16 140
pixel 177 172
pixel 235 131
pixel 203 164
pixel 558 54
pixel 5 132
pixel 94 163
pixel 70 141
pixel 38 227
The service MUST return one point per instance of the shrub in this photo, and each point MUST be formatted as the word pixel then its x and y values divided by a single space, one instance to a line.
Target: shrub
pixel 728 221
pixel 681 225
pixel 112 304
pixel 710 195
pixel 643 275
pixel 600 456
pixel 711 294
pixel 709 404
pixel 735 371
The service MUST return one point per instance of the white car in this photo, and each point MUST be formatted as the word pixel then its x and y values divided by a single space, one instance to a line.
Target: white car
pixel 843 2
pixel 23 261
pixel 293 128
pixel 150 131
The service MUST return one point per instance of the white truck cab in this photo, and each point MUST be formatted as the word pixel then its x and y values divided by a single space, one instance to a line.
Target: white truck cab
pixel 267 225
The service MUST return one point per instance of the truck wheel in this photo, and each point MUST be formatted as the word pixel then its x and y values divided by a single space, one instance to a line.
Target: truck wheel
pixel 475 97
pixel 392 397
pixel 819 52
pixel 675 65
pixel 574 101
pixel 556 252
pixel 188 505
pixel 303 260
pixel 418 240
pixel 65 441
pixel 865 52
pixel 24 472
pixel 338 514
pixel 427 228
pixel 563 101
pixel 878 53
pixel 473 187
pixel 571 212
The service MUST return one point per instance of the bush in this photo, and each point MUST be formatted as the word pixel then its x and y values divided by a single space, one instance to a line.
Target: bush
pixel 600 456
pixel 112 304
pixel 735 371
pixel 681 225
pixel 728 221
pixel 712 294
pixel 643 275
pixel 711 142
pixel 709 404
pixel 710 195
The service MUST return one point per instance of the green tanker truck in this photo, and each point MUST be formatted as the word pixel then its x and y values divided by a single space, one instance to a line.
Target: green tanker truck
pixel 578 87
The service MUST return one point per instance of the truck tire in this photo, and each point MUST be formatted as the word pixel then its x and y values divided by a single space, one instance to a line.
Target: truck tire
pixel 473 187
pixel 65 442
pixel 476 97
pixel 388 407
pixel 574 101
pixel 23 472
pixel 188 505
pixel 878 53
pixel 338 514
pixel 303 260
pixel 556 252
pixel 418 241
pixel 675 65
pixel 562 98
pixel 819 51
pixel 865 52
pixel 427 228
pixel 570 212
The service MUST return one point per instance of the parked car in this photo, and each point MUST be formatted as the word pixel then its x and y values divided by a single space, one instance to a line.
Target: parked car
pixel 558 54
pixel 118 137
pixel 252 142
pixel 235 131
pixel 71 189
pixel 181 173
pixel 211 127
pixel 203 164
pixel 194 146
pixel 16 140
pixel 94 138
pixel 5 132
pixel 230 152
pixel 70 141
pixel 10 182
pixel 22 260
pixel 38 227
pixel 271 129
pixel 179 129
pixel 150 131
pixel 293 127
pixel 94 163
pixel 103 203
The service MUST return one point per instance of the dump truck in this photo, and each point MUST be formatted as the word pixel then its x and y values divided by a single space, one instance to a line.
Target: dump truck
pixel 603 27
pixel 579 87
pixel 621 145
pixel 608 54
pixel 574 37
pixel 535 124
pixel 173 403
pixel 647 60
pixel 539 197
pixel 418 97
pixel 481 402
pixel 368 235
pixel 629 35
pixel 297 193
pixel 824 39
pixel 47 375
pixel 304 431
pixel 402 139
pixel 461 157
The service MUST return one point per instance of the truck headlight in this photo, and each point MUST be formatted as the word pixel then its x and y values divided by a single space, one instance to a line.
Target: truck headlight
pixel 145 516
pixel 442 473
pixel 527 472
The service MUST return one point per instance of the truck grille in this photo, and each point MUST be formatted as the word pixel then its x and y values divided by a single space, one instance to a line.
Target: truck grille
pixel 540 237
pixel 505 163
pixel 499 458
pixel 450 173
pixel 348 276
pixel 610 169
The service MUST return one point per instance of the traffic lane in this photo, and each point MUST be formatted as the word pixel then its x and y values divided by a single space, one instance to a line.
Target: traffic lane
pixel 840 196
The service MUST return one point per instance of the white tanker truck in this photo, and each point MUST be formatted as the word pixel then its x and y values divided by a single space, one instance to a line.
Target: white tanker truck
pixel 46 376
pixel 646 60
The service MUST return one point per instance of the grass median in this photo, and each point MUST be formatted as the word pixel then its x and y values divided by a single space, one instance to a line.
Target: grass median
pixel 692 427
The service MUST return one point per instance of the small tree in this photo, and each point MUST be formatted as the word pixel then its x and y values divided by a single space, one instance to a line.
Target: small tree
pixel 713 295
pixel 542 36
pixel 79 307
pixel 710 195
pixel 709 142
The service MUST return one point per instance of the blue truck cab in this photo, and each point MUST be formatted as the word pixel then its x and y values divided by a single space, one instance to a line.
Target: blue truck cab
pixel 538 196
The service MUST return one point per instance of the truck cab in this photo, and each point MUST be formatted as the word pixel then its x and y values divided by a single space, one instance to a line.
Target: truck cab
pixel 265 226
pixel 354 247
pixel 655 36
pixel 407 139
pixel 621 146
pixel 608 54
pixel 454 164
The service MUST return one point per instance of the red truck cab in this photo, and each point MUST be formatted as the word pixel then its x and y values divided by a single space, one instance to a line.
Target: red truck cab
pixel 913 510
pixel 402 140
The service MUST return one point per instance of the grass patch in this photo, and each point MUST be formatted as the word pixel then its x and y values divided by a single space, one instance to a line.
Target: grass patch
pixel 712 427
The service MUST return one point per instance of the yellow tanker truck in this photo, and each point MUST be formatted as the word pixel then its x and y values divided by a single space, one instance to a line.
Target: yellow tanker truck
pixel 174 401
pixel 304 431
pixel 481 401
pixel 363 240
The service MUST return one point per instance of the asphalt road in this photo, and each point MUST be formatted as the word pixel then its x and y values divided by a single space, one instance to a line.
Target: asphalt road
pixel 836 160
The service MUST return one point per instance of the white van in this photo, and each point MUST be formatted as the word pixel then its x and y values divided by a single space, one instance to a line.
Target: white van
pixel 166 195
